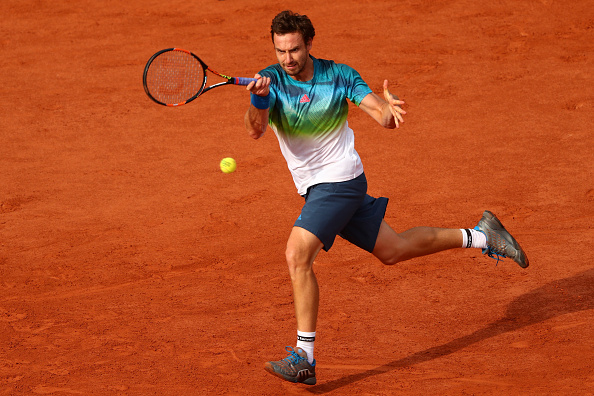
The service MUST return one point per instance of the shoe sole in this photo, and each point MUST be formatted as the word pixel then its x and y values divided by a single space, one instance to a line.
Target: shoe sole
pixel 519 256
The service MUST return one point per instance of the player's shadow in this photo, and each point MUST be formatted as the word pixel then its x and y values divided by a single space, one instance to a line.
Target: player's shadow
pixel 551 300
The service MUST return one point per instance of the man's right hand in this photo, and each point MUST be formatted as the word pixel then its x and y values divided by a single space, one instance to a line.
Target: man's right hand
pixel 261 87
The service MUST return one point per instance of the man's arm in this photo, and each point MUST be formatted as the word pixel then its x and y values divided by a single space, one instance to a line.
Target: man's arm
pixel 256 119
pixel 387 111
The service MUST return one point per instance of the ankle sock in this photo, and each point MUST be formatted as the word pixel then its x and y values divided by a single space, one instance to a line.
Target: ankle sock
pixel 472 238
pixel 305 341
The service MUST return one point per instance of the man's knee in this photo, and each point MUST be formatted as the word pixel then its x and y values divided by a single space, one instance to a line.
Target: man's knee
pixel 389 256
pixel 391 260
pixel 388 246
pixel 297 261
pixel 295 258
pixel 302 248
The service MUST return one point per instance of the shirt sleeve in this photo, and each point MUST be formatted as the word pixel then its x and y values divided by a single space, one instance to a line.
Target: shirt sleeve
pixel 356 88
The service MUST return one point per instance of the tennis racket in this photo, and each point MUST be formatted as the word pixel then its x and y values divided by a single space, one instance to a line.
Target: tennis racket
pixel 174 77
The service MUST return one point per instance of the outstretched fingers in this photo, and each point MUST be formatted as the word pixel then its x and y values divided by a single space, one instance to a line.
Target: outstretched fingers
pixel 394 104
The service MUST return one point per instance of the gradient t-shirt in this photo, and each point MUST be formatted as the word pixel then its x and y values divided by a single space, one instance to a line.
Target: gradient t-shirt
pixel 309 119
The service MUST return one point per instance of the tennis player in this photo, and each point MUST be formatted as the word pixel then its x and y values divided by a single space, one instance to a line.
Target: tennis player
pixel 304 100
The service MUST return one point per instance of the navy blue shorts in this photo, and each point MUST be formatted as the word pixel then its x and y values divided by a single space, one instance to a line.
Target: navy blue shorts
pixel 343 209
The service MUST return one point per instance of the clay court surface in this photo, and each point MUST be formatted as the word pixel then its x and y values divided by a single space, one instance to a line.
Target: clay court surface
pixel 130 265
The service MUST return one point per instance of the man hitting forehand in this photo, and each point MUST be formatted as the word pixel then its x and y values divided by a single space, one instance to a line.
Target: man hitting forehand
pixel 304 101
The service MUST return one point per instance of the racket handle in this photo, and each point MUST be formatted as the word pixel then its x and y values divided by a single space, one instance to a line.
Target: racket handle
pixel 242 80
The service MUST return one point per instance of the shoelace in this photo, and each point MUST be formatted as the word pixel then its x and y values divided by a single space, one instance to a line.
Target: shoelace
pixel 491 251
pixel 293 358
pixel 493 255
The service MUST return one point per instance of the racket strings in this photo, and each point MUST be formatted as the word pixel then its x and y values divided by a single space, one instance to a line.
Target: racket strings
pixel 174 77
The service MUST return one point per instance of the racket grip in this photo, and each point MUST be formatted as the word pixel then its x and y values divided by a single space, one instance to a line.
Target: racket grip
pixel 243 80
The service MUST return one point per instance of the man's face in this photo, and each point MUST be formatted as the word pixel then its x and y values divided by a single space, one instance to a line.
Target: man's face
pixel 292 53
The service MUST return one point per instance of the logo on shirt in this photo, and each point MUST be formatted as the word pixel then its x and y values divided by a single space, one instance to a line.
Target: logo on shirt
pixel 304 99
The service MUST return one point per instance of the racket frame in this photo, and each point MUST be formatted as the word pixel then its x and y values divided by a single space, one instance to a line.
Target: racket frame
pixel 203 87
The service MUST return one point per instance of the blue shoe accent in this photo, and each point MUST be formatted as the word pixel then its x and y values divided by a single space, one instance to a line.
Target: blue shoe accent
pixel 487 251
pixel 294 368
pixel 500 243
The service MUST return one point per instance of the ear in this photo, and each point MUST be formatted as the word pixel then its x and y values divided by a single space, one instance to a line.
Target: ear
pixel 309 45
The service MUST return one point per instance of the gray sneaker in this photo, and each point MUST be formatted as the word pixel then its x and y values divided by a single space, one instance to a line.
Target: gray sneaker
pixel 294 368
pixel 500 243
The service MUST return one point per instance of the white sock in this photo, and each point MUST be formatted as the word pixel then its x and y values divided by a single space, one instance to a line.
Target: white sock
pixel 472 238
pixel 305 341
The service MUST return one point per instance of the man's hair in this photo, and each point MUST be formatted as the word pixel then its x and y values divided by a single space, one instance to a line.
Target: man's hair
pixel 291 22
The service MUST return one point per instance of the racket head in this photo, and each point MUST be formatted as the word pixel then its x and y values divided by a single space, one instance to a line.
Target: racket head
pixel 174 76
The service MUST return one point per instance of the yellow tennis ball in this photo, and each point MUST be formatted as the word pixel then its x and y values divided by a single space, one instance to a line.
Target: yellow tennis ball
pixel 228 165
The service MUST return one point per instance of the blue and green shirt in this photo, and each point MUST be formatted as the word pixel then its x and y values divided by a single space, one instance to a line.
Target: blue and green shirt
pixel 309 119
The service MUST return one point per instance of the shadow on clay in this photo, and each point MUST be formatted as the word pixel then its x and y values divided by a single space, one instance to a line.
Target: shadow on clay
pixel 551 300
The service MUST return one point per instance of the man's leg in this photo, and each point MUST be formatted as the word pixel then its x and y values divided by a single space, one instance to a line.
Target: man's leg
pixel 489 235
pixel 302 249
pixel 391 247
pixel 299 366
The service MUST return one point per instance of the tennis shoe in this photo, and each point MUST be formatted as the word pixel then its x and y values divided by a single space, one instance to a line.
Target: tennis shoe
pixel 500 243
pixel 294 368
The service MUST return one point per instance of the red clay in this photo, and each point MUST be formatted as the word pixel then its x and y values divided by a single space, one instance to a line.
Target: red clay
pixel 129 264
